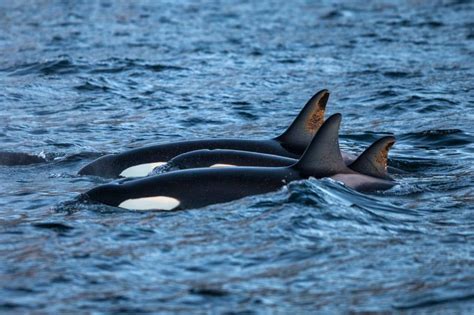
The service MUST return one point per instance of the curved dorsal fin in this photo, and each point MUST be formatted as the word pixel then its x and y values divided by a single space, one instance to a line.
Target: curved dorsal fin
pixel 307 123
pixel 373 161
pixel 323 157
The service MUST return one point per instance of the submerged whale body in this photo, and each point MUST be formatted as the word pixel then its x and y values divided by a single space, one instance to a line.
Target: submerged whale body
pixel 292 143
pixel 18 158
pixel 201 187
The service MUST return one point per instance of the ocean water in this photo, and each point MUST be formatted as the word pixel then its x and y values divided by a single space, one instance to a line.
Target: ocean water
pixel 79 79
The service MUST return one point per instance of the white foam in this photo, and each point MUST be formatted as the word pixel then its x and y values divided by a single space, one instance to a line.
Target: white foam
pixel 140 170
pixel 151 203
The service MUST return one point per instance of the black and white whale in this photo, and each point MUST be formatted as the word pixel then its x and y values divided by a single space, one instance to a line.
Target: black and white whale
pixel 197 188
pixel 292 143
pixel 222 158
pixel 228 158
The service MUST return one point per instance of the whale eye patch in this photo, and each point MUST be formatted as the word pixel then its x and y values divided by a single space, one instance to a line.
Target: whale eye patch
pixel 151 203
pixel 140 170
pixel 218 165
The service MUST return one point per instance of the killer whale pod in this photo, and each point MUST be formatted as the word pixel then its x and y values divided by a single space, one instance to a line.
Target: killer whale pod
pixel 292 143
pixel 195 188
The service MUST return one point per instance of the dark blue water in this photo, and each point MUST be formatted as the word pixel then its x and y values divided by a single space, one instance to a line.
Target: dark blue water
pixel 82 78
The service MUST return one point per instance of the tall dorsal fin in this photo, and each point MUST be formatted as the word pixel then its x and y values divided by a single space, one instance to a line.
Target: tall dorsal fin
pixel 307 123
pixel 323 157
pixel 373 161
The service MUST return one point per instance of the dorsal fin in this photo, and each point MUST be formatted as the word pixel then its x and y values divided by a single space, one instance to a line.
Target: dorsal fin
pixel 306 124
pixel 373 161
pixel 323 157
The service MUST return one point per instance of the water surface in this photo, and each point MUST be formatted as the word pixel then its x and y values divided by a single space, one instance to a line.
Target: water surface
pixel 84 78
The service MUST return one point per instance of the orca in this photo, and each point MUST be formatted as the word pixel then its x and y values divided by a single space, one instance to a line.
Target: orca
pixel 195 188
pixel 370 168
pixel 222 158
pixel 292 143
pixel 228 158
pixel 19 158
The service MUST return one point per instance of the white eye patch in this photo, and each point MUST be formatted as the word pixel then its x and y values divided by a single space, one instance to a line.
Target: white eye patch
pixel 140 170
pixel 151 203
pixel 221 165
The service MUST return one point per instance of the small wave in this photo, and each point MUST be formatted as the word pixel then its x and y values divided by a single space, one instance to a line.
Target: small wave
pixel 437 296
pixel 436 138
pixel 366 137
pixel 54 226
pixel 115 65
pixel 328 193
pixel 401 74
pixel 82 203
pixel 241 104
pixel 89 86
pixel 21 158
pixel 161 67
pixel 50 67
pixel 387 93
pixel 337 14
pixel 63 66
pixel 288 61
pixel 208 290
pixel 409 23
pixel 193 121
pixel 413 164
